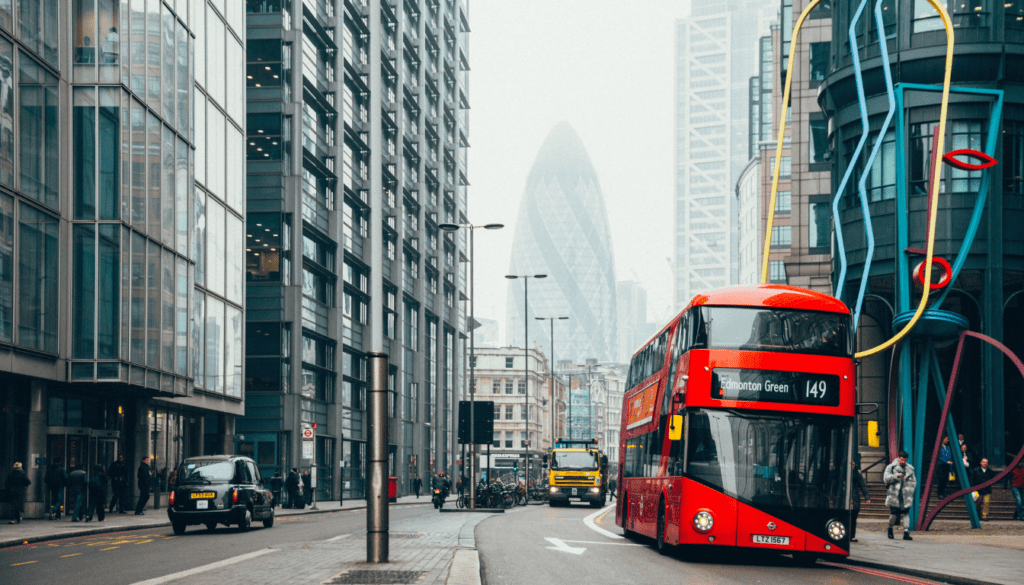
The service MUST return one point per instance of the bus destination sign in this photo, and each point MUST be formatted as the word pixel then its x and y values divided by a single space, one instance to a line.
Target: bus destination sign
pixel 773 386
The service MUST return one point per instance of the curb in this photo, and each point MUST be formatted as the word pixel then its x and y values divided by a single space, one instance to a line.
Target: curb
pixel 106 530
pixel 472 510
pixel 940 577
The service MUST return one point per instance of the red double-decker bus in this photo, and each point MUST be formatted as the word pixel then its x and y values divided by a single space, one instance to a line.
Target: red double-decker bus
pixel 737 425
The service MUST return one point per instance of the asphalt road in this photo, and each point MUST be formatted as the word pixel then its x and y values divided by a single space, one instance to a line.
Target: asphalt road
pixel 541 545
pixel 132 556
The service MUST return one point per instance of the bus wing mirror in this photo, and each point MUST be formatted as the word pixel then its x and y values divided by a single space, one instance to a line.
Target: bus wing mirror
pixel 675 431
pixel 678 398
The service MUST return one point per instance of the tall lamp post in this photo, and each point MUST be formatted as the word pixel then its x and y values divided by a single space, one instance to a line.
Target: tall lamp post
pixel 526 361
pixel 551 371
pixel 451 227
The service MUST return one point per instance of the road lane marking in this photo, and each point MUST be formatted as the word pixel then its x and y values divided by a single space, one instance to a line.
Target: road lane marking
pixel 111 548
pixel 338 537
pixel 608 543
pixel 561 546
pixel 71 555
pixel 600 518
pixel 144 541
pixel 25 563
pixel 589 521
pixel 204 568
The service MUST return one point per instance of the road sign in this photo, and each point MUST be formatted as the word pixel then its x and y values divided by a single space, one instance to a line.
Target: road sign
pixel 307 433
pixel 307 449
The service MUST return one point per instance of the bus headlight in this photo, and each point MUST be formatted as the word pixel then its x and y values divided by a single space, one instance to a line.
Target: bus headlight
pixel 554 490
pixel 836 530
pixel 703 521
pixel 596 490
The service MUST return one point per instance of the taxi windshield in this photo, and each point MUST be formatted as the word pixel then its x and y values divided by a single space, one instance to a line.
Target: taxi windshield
pixel 574 461
pixel 203 472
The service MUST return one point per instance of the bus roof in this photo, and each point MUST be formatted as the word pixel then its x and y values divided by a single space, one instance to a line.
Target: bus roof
pixel 770 295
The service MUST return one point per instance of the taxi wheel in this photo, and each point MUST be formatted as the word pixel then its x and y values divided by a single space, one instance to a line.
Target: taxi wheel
pixel 246 522
pixel 211 526
pixel 269 522
pixel 178 528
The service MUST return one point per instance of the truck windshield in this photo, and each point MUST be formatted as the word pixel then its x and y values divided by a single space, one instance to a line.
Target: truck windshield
pixel 203 472
pixel 784 330
pixel 770 460
pixel 574 460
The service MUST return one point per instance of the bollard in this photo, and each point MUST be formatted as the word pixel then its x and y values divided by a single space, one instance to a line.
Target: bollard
pixel 377 459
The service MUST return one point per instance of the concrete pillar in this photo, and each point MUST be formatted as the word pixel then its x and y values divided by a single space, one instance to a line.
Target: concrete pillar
pixel 35 501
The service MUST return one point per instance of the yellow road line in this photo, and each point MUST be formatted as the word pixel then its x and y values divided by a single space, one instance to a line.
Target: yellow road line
pixel 71 555
pixel 601 517
pixel 144 541
pixel 170 537
pixel 111 548
pixel 25 563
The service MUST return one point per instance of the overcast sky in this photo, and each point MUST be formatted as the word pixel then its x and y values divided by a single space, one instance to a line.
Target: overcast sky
pixel 607 68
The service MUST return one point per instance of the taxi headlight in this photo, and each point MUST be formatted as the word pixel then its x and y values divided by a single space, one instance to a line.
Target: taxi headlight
pixel 836 530
pixel 703 521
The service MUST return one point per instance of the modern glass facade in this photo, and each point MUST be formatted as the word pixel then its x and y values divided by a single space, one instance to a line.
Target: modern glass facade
pixel 562 231
pixel 345 259
pixel 122 310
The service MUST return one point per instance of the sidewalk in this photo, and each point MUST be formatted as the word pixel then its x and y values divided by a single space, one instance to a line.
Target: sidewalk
pixel 950 551
pixel 38 530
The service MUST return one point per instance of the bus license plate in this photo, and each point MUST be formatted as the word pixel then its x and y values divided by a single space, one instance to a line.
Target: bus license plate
pixel 202 504
pixel 764 539
pixel 574 491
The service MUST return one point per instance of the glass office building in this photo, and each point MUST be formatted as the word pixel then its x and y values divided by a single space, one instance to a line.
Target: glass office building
pixel 355 152
pixel 121 231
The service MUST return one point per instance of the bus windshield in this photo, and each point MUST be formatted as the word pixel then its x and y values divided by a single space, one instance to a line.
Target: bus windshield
pixel 783 330
pixel 771 460
pixel 574 461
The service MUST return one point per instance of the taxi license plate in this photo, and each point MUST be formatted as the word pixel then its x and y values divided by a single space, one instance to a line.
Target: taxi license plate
pixel 203 495
pixel 203 505
pixel 765 539
pixel 574 491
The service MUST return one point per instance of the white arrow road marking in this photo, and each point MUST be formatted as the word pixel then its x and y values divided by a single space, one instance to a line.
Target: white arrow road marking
pixel 607 543
pixel 561 546
pixel 589 521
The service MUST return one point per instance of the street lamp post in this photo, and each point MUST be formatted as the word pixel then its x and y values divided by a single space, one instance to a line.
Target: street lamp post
pixel 551 371
pixel 526 362
pixel 451 227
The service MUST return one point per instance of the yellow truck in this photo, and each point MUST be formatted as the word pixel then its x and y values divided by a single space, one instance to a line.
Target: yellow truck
pixel 578 471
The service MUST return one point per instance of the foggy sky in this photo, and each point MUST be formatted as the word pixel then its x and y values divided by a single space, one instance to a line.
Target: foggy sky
pixel 606 67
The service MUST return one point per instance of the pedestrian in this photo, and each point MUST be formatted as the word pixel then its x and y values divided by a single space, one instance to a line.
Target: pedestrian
pixel 17 486
pixel 945 467
pixel 117 473
pixel 78 482
pixel 276 483
pixel 56 480
pixel 966 458
pixel 982 474
pixel 1017 489
pixel 860 487
pixel 417 483
pixel 97 494
pixel 612 486
pixel 960 439
pixel 900 480
pixel 307 487
pixel 142 477
pixel 292 485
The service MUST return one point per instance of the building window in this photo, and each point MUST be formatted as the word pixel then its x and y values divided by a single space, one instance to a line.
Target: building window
pixel 1013 152
pixel 508 412
pixel 969 13
pixel 522 413
pixel 263 254
pixel 925 17
pixel 508 439
pixel 1014 13
pixel 881 183
pixel 497 439
pixel 781 236
pixel 496 387
pixel 784 202
pixel 966 134
pixel 889 15
pixel 39 124
pixel 264 137
pixel 785 167
pixel 521 386
pixel 777 272
pixel 819 62
pixel 508 362
pixel 920 146
pixel 508 386
pixel 818 144
pixel 820 224
pixel 39 246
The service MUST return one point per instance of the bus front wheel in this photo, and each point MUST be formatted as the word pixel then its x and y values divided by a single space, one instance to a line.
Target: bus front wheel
pixel 625 520
pixel 663 547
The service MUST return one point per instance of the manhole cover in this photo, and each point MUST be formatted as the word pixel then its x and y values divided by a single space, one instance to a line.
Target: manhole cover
pixel 376 578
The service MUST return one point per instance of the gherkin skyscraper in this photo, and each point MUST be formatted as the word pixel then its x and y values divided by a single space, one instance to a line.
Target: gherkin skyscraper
pixel 562 231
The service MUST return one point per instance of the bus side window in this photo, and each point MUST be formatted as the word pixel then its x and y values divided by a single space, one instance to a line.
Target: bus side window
pixel 653 458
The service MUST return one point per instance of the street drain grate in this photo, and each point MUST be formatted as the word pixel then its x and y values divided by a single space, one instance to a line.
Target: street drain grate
pixel 376 578
pixel 405 534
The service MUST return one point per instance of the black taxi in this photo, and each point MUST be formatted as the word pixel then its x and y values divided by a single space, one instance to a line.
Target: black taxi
pixel 219 489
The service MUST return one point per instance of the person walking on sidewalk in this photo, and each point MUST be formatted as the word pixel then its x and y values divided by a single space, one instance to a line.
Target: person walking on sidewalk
pixel 417 484
pixel 117 473
pixel 17 486
pixel 860 487
pixel 77 483
pixel 56 480
pixel 982 474
pixel 294 493
pixel 97 494
pixel 1017 489
pixel 945 467
pixel 900 479
pixel 142 476
pixel 276 483
pixel 307 487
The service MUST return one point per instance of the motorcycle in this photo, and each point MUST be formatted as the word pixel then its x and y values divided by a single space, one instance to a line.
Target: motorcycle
pixel 438 498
